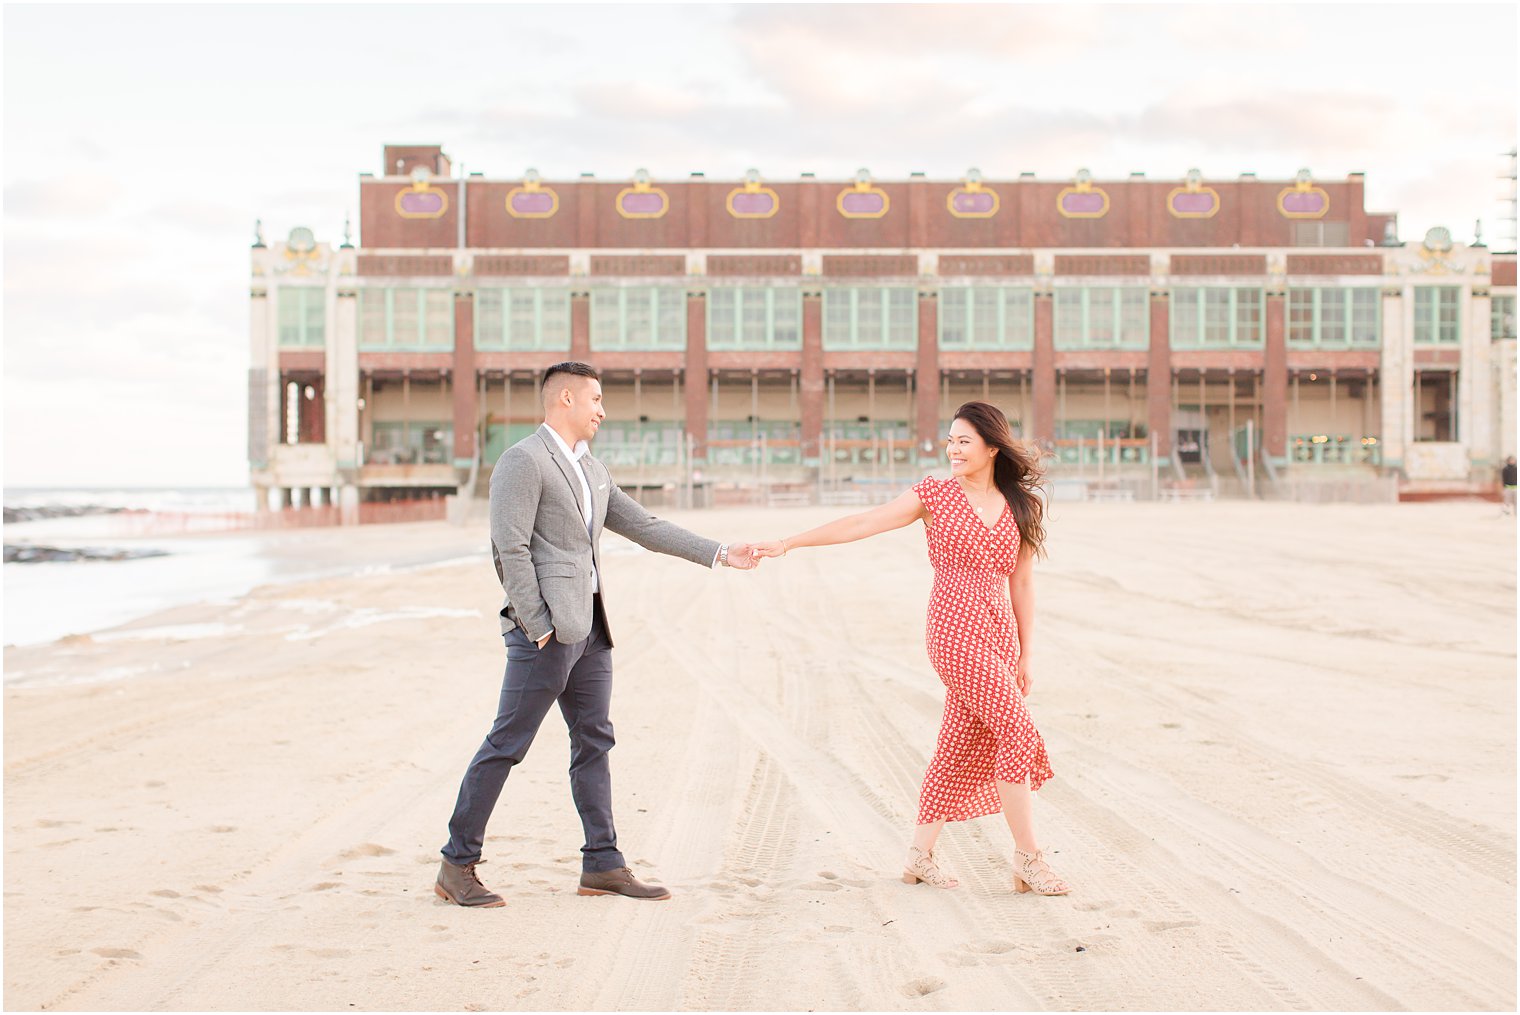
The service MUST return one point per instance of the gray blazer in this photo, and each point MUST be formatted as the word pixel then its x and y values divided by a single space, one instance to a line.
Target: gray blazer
pixel 539 541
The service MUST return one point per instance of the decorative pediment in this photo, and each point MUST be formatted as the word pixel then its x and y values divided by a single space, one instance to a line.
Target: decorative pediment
pixel 1303 200
pixel 753 200
pixel 421 200
pixel 972 200
pixel 1193 200
pixel 864 200
pixel 531 199
pixel 643 200
pixel 1082 200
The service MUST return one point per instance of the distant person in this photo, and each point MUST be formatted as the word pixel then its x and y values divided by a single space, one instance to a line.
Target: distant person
pixel 549 503
pixel 1507 480
pixel 984 527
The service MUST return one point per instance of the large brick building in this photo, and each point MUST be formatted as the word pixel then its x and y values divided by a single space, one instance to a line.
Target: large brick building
pixel 1240 335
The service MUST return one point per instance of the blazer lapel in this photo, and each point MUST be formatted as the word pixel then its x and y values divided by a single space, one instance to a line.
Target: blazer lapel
pixel 567 471
pixel 597 478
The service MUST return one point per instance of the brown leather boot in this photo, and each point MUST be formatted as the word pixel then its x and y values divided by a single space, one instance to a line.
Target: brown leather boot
pixel 458 883
pixel 620 882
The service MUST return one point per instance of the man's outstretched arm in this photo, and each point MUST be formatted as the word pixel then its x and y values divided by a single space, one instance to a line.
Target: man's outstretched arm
pixel 628 518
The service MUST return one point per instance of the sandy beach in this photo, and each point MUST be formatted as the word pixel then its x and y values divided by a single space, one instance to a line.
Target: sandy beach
pixel 1283 738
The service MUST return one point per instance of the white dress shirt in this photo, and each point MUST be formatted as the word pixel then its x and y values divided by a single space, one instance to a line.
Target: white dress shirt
pixel 574 456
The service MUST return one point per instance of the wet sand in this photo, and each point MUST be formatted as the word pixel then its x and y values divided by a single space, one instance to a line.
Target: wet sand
pixel 1283 738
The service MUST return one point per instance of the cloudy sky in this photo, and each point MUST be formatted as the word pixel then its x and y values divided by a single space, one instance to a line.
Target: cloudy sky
pixel 142 142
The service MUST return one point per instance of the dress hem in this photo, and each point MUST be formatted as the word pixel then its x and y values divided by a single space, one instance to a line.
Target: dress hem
pixel 971 814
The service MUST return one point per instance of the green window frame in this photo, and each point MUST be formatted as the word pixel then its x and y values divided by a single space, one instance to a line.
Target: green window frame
pixel 754 318
pixel 1102 317
pixel 302 317
pixel 1501 317
pixel 418 442
pixel 522 319
pixel 1335 318
pixel 639 318
pixel 406 319
pixel 986 317
pixel 870 317
pixel 1217 317
pixel 1436 309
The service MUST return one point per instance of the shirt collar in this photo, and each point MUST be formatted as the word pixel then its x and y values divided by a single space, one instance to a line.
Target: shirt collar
pixel 581 447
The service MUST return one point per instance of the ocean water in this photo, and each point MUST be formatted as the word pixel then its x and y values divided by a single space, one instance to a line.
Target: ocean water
pixel 187 499
pixel 46 601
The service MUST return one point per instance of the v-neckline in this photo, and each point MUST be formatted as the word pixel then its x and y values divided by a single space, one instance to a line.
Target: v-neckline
pixel 989 529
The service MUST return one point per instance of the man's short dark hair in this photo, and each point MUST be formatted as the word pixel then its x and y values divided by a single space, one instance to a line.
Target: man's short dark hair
pixel 569 367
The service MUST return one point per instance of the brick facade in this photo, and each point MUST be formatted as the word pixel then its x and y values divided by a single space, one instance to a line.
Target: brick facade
pixel 1036 241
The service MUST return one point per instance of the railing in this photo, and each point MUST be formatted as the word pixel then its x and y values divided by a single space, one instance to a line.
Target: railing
pixel 434 509
pixel 753 451
pixel 859 451
pixel 429 474
pixel 1109 451
pixel 647 453
pixel 1334 449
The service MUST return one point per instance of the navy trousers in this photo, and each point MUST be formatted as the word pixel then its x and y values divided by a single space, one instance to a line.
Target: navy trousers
pixel 579 677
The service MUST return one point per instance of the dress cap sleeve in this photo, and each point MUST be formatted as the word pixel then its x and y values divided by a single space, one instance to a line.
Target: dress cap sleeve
pixel 928 490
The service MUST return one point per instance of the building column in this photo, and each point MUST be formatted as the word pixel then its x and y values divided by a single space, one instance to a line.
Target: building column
pixel 1396 378
pixel 1043 424
pixel 348 505
pixel 1274 379
pixel 1158 374
pixel 811 380
pixel 1475 411
pixel 926 398
pixel 263 389
pixel 343 388
pixel 696 373
pixel 580 326
pixel 466 393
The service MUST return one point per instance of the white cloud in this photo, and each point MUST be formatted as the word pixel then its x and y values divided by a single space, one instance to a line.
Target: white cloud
pixel 74 196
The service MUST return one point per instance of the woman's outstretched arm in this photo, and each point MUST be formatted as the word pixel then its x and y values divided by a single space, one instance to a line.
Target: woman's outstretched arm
pixel 904 509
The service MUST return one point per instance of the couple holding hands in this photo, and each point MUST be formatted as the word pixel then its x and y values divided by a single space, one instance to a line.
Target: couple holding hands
pixel 550 501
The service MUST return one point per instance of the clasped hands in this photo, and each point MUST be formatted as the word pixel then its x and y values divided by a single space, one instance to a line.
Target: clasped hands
pixel 747 556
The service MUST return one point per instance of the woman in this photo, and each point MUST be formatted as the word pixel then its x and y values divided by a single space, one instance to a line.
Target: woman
pixel 984 527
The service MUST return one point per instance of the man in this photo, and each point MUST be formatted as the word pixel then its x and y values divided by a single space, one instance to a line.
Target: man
pixel 1507 480
pixel 549 502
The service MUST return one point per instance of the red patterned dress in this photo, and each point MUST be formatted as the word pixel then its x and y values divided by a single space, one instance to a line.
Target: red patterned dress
pixel 986 732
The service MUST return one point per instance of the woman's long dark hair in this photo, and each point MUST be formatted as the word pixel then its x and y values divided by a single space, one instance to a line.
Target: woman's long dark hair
pixel 1016 472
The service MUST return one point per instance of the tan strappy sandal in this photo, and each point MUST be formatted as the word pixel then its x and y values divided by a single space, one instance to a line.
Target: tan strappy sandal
pixel 1032 874
pixel 921 867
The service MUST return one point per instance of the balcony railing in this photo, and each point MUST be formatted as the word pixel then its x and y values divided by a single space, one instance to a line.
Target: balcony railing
pixel 1335 449
pixel 1110 451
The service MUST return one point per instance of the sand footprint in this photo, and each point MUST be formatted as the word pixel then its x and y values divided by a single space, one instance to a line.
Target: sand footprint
pixel 116 953
pixel 365 849
pixel 922 987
